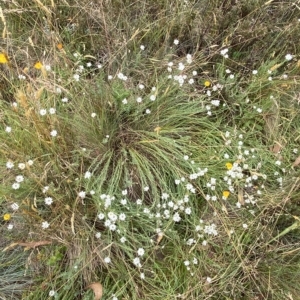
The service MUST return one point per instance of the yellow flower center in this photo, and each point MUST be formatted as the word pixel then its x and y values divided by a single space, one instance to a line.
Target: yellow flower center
pixel 226 194
pixel 229 165
pixel 207 83
pixel 3 58
pixel 38 65
pixel 7 217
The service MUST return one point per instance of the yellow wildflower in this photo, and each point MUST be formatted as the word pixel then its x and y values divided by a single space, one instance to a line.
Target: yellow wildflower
pixel 7 217
pixel 207 83
pixel 228 166
pixel 3 58
pixel 59 46
pixel 38 65
pixel 226 194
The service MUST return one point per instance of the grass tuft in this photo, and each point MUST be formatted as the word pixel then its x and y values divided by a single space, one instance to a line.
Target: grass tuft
pixel 151 147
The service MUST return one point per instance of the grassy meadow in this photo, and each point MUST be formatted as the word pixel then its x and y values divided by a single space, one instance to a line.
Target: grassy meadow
pixel 150 149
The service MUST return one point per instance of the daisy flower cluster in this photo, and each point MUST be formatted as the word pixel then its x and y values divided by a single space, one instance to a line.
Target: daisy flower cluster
pixel 177 73
pixel 245 174
pixel 108 216
pixel 213 94
pixel 115 212
pixel 190 263
pixel 166 208
pixel 19 179
pixel 203 233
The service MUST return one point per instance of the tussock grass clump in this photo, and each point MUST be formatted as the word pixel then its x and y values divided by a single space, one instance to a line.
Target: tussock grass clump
pixel 149 148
